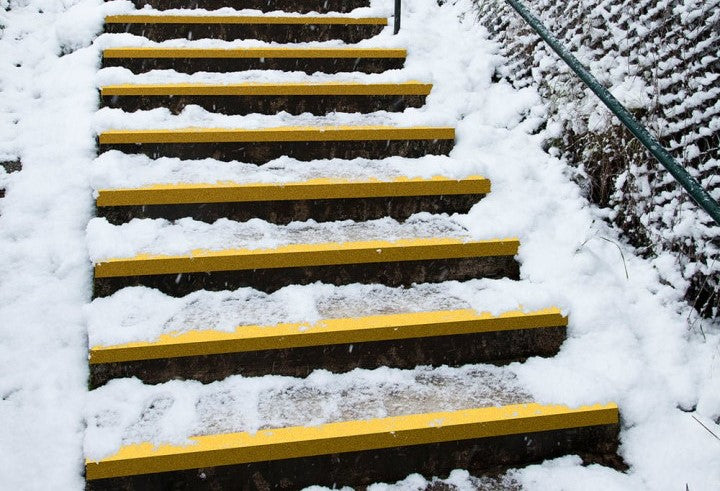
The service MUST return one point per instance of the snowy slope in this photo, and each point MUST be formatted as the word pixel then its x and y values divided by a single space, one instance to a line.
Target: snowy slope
pixel 660 58
pixel 628 335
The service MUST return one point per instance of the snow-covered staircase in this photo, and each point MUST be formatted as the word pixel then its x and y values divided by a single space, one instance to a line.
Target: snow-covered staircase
pixel 293 234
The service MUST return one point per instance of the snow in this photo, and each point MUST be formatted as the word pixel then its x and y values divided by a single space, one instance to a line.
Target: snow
pixel 631 338
pixel 114 169
pixel 45 270
pixel 657 56
pixel 459 480
pixel 144 314
pixel 186 235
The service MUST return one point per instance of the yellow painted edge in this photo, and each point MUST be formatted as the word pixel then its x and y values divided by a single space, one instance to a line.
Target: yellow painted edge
pixel 266 89
pixel 305 190
pixel 284 134
pixel 304 255
pixel 349 436
pixel 242 19
pixel 253 53
pixel 327 332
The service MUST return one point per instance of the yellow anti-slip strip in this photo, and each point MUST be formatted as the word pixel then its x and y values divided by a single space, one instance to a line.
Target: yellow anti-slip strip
pixel 349 436
pixel 265 89
pixel 171 194
pixel 305 255
pixel 253 53
pixel 278 134
pixel 241 19
pixel 327 332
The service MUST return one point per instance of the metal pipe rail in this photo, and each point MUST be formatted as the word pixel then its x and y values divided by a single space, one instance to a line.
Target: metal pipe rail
pixel 691 185
pixel 397 16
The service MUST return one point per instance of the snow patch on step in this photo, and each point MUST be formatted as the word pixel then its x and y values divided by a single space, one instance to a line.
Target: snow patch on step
pixel 160 236
pixel 197 117
pixel 115 169
pixel 377 8
pixel 144 314
pixel 126 411
pixel 119 75
pixel 385 40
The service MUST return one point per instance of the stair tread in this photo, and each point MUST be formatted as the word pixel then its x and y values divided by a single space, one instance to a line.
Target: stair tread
pixel 191 18
pixel 119 76
pixel 276 134
pixel 114 169
pixel 305 255
pixel 248 404
pixel 187 237
pixel 328 331
pixel 147 314
pixel 291 442
pixel 268 88
pixel 254 52
pixel 320 188
pixel 254 7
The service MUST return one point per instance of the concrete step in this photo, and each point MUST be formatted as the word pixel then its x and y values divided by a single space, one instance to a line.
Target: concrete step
pixel 308 60
pixel 268 98
pixel 279 29
pixel 396 263
pixel 360 452
pixel 450 337
pixel 301 142
pixel 263 5
pixel 320 200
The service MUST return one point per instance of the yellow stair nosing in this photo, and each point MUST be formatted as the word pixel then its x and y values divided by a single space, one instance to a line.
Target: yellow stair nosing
pixel 276 134
pixel 306 255
pixel 327 332
pixel 314 189
pixel 348 436
pixel 267 89
pixel 274 52
pixel 243 19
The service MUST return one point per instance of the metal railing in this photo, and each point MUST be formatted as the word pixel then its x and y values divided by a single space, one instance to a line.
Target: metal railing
pixel 397 16
pixel 691 185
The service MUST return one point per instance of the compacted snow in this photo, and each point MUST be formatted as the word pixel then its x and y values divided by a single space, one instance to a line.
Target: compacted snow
pixel 126 411
pixel 145 314
pixel 186 235
pixel 628 339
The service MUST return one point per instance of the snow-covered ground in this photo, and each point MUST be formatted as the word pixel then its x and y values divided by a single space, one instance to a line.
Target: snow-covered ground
pixel 629 340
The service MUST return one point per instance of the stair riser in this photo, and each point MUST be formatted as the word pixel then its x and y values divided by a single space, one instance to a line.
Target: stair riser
pixel 307 65
pixel 279 33
pixel 283 212
pixel 400 273
pixel 596 444
pixel 315 104
pixel 306 6
pixel 490 347
pixel 263 152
